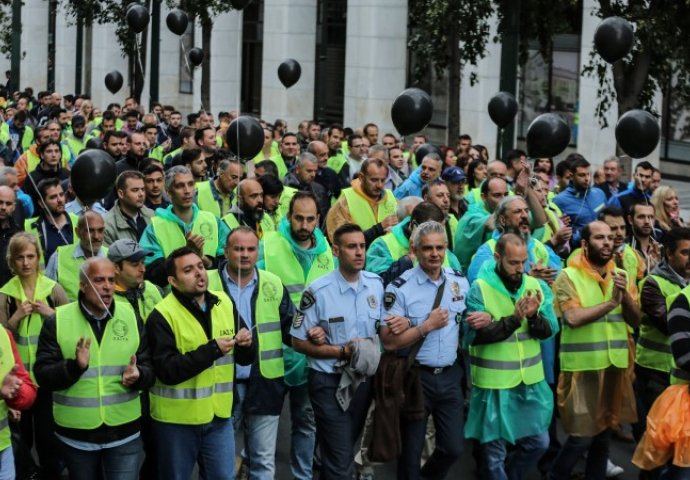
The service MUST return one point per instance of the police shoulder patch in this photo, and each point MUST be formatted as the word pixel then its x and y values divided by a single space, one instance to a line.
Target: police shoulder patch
pixel 398 282
pixel 308 300
pixel 298 319
pixel 388 300
pixel 458 273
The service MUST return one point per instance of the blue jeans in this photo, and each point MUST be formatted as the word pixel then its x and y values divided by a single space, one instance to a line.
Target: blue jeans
pixel 179 447
pixel 597 449
pixel 117 463
pixel 260 437
pixel 527 453
pixel 675 473
pixel 303 433
pixel 7 471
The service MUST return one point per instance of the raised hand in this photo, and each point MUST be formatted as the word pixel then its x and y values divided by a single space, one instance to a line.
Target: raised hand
pixel 82 352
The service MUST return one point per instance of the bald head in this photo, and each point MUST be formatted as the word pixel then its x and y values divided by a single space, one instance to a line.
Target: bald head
pixel 8 201
pixel 251 198
pixel 320 150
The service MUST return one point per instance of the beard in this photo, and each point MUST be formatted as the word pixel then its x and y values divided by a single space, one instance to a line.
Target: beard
pixel 596 257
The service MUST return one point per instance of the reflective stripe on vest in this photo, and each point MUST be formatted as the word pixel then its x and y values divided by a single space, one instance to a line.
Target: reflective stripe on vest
pixel 361 212
pixel 6 364
pixel 98 397
pixel 170 235
pixel 281 261
pixel 196 401
pixel 599 344
pixel 30 326
pixel 516 360
pixel 653 347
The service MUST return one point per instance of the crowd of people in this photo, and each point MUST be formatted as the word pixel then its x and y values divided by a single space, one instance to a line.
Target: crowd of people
pixel 406 300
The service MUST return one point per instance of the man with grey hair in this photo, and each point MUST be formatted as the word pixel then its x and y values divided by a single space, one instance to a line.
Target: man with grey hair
pixel 512 216
pixel 181 224
pixel 429 301
pixel 612 185
pixel 96 398
pixel 303 178
pixel 429 169
pixel 9 178
pixel 216 195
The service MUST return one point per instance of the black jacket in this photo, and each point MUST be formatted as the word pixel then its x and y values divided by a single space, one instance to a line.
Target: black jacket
pixel 54 372
pixel 264 396
pixel 5 235
pixel 172 367
pixel 606 188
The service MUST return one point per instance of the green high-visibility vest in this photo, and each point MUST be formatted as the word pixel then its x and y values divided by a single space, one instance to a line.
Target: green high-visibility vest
pixel 285 198
pixel 601 343
pixel 157 152
pixel 4 133
pixel 337 162
pixel 27 138
pixel 6 364
pixel 280 163
pixel 266 317
pixel 206 201
pixel 266 223
pixel 678 376
pixel 198 400
pixel 398 250
pixel 148 301
pixel 515 360
pixel 361 212
pixel 170 235
pixel 29 327
pixel 68 269
pixel 653 347
pixel 76 146
pixel 31 226
pixel 98 397
pixel 630 260
pixel 171 155
pixel 280 260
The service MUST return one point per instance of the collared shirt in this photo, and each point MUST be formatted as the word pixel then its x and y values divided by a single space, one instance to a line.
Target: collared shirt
pixel 242 298
pixel 52 267
pixel 412 296
pixel 343 311
pixel 77 208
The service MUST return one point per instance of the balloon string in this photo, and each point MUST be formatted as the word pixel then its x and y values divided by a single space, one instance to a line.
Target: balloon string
pixel 93 287
pixel 47 210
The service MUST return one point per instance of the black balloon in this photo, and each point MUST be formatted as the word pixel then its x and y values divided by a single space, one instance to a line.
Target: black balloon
pixel 114 81
pixel 94 142
pixel 137 17
pixel 613 38
pixel 245 137
pixel 424 150
pixel 239 4
pixel 637 133
pixel 547 136
pixel 196 56
pixel 502 109
pixel 411 111
pixel 93 175
pixel 289 72
pixel 177 21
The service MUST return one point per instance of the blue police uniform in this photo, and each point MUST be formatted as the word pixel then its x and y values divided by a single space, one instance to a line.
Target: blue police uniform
pixel 345 311
pixel 412 295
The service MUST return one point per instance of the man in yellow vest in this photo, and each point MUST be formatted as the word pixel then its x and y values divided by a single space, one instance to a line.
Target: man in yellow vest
pixel 653 359
pixel 194 348
pixel 216 195
pixel 346 304
pixel 299 254
pixel 63 265
pixel 265 306
pixel 181 224
pixel 289 151
pixel 94 357
pixel 366 203
pixel 625 256
pixel 595 300
pixel 509 314
pixel 249 209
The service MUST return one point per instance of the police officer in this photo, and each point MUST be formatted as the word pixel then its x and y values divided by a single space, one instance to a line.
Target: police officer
pixel 130 285
pixel 346 304
pixel 409 319
pixel 94 356
pixel 194 346
pixel 265 306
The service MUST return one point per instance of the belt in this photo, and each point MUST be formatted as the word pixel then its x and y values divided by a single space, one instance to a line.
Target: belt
pixel 434 370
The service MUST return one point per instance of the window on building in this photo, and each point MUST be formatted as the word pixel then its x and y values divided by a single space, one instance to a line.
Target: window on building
pixel 551 87
pixel 186 68
pixel 252 57
pixel 675 127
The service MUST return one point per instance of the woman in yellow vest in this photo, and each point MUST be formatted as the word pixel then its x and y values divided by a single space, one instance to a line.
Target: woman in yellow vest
pixel 27 299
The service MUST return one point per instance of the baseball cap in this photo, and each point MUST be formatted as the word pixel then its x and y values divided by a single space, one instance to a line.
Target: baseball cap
pixel 453 174
pixel 126 249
